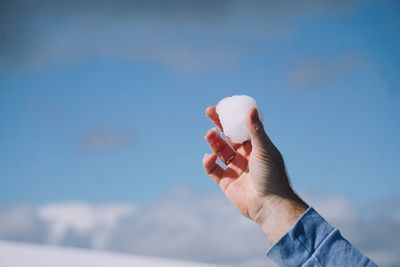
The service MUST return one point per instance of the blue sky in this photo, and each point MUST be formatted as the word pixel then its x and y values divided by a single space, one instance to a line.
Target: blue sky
pixel 98 106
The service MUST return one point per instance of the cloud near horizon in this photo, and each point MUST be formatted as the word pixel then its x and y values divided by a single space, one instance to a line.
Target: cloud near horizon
pixel 192 225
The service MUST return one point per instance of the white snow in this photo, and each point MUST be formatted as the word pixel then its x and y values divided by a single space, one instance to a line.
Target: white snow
pixel 232 112
pixel 14 254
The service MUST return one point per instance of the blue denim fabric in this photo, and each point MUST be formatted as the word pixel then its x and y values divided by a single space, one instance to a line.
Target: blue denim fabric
pixel 314 242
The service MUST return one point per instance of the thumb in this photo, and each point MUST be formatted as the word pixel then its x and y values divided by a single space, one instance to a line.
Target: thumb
pixel 262 146
pixel 258 137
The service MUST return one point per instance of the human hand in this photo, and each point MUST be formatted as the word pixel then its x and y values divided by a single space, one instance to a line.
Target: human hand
pixel 254 180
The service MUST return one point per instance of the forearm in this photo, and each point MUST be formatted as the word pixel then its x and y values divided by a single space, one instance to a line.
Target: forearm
pixel 278 214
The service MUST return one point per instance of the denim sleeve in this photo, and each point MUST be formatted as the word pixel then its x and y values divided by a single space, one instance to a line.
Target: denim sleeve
pixel 314 242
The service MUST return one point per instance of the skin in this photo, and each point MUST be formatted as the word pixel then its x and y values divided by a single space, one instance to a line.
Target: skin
pixel 254 178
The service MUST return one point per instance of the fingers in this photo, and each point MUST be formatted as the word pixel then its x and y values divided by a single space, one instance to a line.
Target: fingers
pixel 213 115
pixel 237 166
pixel 220 146
pixel 236 161
pixel 234 145
pixel 217 173
pixel 212 168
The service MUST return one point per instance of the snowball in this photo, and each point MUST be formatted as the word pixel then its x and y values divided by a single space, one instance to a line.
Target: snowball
pixel 232 112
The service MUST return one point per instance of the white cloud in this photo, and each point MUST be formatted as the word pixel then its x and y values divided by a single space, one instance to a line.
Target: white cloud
pixel 22 223
pixel 98 221
pixel 193 225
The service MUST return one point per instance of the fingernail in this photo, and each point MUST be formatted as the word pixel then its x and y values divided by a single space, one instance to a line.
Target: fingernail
pixel 206 111
pixel 211 135
pixel 255 120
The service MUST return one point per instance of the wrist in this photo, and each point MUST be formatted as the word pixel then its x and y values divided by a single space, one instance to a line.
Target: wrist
pixel 278 214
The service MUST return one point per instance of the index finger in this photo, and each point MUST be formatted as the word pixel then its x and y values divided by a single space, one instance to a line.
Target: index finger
pixel 213 115
pixel 211 112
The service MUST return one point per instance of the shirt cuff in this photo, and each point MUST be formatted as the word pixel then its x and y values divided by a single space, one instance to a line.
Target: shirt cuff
pixel 301 241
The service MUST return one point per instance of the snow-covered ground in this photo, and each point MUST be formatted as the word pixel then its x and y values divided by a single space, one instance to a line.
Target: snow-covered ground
pixel 14 254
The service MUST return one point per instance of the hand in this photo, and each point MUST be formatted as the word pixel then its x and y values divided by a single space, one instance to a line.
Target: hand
pixel 254 180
